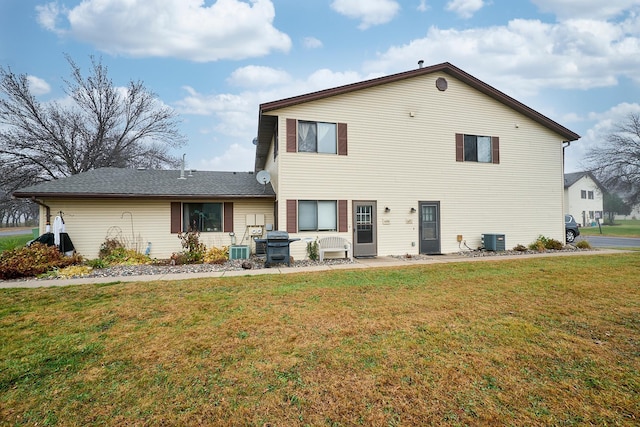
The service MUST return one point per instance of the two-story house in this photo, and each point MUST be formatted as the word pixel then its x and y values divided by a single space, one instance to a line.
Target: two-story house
pixel 583 197
pixel 424 161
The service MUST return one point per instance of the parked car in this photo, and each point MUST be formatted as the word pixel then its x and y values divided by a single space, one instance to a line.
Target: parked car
pixel 571 228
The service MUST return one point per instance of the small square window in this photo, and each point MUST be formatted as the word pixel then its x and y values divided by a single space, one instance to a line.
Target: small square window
pixel 477 149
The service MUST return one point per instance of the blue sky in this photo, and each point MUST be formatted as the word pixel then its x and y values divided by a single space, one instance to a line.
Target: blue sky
pixel 575 61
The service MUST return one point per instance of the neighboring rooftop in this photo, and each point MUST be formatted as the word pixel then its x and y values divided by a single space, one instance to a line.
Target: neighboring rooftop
pixel 152 183
pixel 572 178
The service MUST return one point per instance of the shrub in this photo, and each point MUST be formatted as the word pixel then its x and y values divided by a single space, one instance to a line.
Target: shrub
pixel 97 263
pixel 553 244
pixel 520 248
pixel 537 245
pixel 28 261
pixel 73 271
pixel 583 244
pixel 542 243
pixel 113 252
pixel 216 255
pixel 193 249
pixel 312 250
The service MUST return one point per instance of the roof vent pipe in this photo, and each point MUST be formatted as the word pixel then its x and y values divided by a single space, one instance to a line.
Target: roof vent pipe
pixel 182 167
pixel 420 63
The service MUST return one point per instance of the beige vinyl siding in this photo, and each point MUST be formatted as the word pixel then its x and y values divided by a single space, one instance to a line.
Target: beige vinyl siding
pixel 136 222
pixel 401 145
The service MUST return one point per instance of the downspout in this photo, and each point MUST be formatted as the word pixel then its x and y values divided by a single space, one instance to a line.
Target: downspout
pixel 48 210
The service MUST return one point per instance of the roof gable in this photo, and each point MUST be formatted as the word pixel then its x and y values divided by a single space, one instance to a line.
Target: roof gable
pixel 266 123
pixel 572 178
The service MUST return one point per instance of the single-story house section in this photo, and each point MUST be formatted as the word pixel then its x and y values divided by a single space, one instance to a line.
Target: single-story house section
pixel 148 208
pixel 583 197
pixel 423 161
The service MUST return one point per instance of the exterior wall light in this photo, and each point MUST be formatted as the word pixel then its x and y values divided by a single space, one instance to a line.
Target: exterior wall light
pixel 412 210
pixel 387 210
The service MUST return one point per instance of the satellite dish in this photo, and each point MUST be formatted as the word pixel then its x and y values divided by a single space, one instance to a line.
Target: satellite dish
pixel 263 177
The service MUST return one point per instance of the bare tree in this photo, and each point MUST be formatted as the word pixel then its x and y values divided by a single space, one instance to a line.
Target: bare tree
pixel 616 163
pixel 103 126
pixel 99 125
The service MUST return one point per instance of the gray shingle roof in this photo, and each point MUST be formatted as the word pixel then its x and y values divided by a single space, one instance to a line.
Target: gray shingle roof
pixel 572 178
pixel 119 183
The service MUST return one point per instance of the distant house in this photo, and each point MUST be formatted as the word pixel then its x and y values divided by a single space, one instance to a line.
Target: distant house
pixel 421 162
pixel 583 197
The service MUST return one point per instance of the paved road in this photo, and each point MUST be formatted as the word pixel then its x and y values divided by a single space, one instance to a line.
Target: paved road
pixel 612 242
pixel 14 231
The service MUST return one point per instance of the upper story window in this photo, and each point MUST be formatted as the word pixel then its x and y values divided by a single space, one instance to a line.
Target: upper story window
pixel 590 195
pixel 202 217
pixel 583 194
pixel 317 137
pixel 477 148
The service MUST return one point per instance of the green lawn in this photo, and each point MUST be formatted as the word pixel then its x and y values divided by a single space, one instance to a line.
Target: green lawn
pixel 623 228
pixel 10 242
pixel 535 342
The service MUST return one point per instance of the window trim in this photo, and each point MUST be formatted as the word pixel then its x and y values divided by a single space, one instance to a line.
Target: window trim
pixel 460 149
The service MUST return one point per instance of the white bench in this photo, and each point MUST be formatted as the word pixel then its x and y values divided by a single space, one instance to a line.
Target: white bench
pixel 334 244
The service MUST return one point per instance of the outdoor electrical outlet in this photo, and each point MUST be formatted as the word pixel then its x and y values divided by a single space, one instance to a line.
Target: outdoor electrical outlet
pixel 459 238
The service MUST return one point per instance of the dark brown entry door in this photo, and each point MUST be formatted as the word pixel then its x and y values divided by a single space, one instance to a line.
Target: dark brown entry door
pixel 364 229
pixel 429 227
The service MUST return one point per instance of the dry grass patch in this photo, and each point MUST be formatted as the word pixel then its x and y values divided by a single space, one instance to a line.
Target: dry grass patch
pixel 552 341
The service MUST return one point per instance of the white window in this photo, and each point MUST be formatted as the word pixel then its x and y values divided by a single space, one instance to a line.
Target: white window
pixel 317 137
pixel 317 215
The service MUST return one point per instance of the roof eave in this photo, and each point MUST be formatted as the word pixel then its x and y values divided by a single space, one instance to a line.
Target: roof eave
pixel 61 195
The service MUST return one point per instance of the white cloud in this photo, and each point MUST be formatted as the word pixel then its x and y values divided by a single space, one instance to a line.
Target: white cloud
pixel 311 43
pixel 369 12
pixel 423 7
pixel 255 76
pixel 236 158
pixel 528 55
pixel 38 86
pixel 186 29
pixel 465 8
pixel 48 15
pixel 592 9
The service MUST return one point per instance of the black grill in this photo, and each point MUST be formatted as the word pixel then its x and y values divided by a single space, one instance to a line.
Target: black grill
pixel 276 248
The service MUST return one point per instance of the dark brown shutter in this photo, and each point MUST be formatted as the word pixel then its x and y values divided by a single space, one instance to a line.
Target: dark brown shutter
pixel 342 139
pixel 292 216
pixel 176 217
pixel 459 147
pixel 495 147
pixel 342 216
pixel 228 217
pixel 292 135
